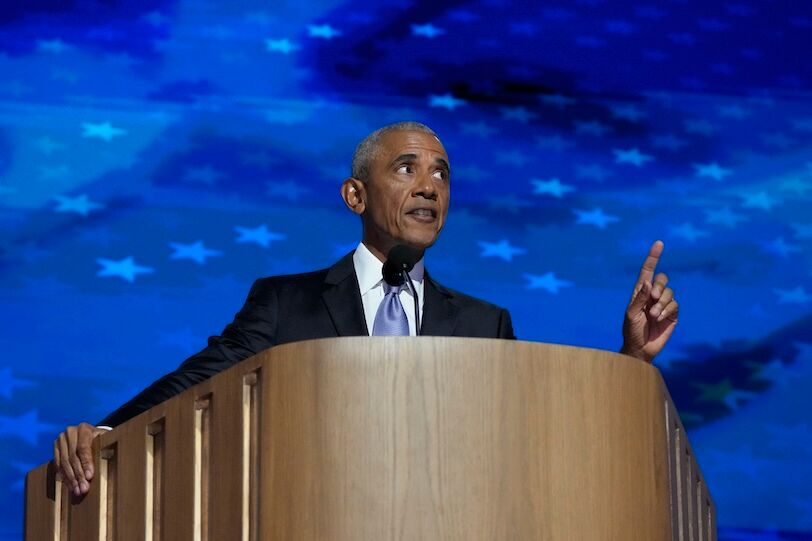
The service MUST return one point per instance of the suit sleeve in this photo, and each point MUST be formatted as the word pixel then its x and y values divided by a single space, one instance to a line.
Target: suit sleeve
pixel 253 330
pixel 505 326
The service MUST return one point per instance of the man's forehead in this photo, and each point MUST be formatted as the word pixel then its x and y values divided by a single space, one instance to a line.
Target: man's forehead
pixel 398 142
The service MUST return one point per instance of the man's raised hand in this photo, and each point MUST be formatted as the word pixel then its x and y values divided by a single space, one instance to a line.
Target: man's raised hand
pixel 652 312
pixel 73 456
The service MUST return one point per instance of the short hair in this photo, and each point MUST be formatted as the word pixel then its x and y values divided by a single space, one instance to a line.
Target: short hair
pixel 367 150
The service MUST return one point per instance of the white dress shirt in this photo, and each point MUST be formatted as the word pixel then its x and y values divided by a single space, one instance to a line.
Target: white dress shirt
pixel 369 270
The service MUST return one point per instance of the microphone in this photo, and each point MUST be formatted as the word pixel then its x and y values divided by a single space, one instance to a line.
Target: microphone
pixel 399 262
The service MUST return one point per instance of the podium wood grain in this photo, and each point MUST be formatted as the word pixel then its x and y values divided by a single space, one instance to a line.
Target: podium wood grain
pixel 404 438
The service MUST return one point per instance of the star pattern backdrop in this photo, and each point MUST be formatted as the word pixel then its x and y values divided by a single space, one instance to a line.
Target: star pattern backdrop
pixel 158 156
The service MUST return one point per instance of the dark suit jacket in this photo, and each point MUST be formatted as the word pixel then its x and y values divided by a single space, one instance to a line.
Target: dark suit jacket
pixel 320 304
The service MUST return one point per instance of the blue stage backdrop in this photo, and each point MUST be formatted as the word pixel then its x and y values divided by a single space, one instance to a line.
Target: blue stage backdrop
pixel 157 156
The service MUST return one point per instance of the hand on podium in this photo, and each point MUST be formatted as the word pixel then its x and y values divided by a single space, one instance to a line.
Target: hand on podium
pixel 73 456
pixel 652 312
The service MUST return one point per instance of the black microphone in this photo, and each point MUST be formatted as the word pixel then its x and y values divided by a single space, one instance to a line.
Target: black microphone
pixel 399 262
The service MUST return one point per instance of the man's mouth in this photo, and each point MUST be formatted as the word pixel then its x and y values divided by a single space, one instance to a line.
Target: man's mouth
pixel 423 213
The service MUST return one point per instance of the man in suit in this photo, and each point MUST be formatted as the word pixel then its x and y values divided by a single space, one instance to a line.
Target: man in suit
pixel 400 189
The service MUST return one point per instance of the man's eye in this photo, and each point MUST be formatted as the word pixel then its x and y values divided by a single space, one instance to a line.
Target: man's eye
pixel 440 174
pixel 405 169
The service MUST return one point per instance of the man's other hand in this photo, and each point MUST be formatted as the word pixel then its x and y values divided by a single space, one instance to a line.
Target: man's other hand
pixel 74 457
pixel 652 312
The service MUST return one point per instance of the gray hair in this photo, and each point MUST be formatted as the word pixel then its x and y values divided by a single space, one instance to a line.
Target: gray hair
pixel 367 149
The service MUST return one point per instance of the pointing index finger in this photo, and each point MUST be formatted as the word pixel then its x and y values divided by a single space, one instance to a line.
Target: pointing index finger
pixel 650 264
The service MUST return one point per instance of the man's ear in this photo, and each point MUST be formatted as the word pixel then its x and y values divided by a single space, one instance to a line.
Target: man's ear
pixel 353 192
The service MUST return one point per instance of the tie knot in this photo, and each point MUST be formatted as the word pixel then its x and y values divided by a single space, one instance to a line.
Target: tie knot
pixel 395 290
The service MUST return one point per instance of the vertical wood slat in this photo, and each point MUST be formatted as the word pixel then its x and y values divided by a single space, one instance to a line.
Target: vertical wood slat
pixel 154 479
pixel 251 409
pixel 39 504
pixel 202 435
pixel 108 491
pixel 672 441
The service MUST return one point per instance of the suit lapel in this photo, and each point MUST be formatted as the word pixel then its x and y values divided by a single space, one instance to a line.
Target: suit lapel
pixel 439 310
pixel 342 297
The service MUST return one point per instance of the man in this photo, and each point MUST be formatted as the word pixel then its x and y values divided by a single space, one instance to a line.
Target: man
pixel 400 188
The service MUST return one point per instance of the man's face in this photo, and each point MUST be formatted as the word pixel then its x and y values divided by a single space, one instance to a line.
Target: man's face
pixel 407 192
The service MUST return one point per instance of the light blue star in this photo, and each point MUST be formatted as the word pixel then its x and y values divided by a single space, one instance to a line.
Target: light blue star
pixel 554 142
pixel 47 145
pixel 427 30
pixel 104 131
pixel 632 156
pixel 797 295
pixel 125 268
pixel 197 252
pixel 724 216
pixel 557 100
pixel 258 235
pixel 323 31
pixel 548 282
pixel 512 157
pixel 552 187
pixel 759 200
pixel 446 101
pixel 802 231
pixel 79 204
pixel 712 170
pixel 594 172
pixel 591 127
pixel 502 249
pixel 668 141
pixel 780 247
pixel 594 217
pixel 478 128
pixel 520 114
pixel 688 232
pixel 8 383
pixel 52 45
pixel 283 46
pixel 628 112
pixel 26 427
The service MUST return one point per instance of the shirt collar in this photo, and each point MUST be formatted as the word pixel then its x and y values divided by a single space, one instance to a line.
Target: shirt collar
pixel 369 269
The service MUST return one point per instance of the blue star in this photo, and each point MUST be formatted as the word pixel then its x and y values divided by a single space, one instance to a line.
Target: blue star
pixel 760 200
pixel 688 232
pixel 52 45
pixel 47 145
pixel 797 295
pixel 323 31
pixel 592 127
pixel 668 141
pixel 547 281
pixel 595 172
pixel 8 383
pixel 125 268
pixel 775 372
pixel 446 101
pixel 104 131
pixel 780 248
pixel 520 114
pixel 501 249
pixel 479 128
pixel 557 100
pixel 79 204
pixel 197 252
pixel 427 30
pixel 552 187
pixel 258 235
pixel 283 46
pixel 632 156
pixel 27 427
pixel 712 170
pixel 555 142
pixel 594 217
pixel 723 216
pixel 628 112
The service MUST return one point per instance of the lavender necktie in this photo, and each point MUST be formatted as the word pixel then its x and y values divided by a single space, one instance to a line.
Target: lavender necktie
pixel 390 320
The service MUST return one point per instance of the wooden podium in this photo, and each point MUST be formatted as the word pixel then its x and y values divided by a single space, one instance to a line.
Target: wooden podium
pixel 396 438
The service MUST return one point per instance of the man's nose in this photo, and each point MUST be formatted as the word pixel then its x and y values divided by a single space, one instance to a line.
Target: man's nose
pixel 425 187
